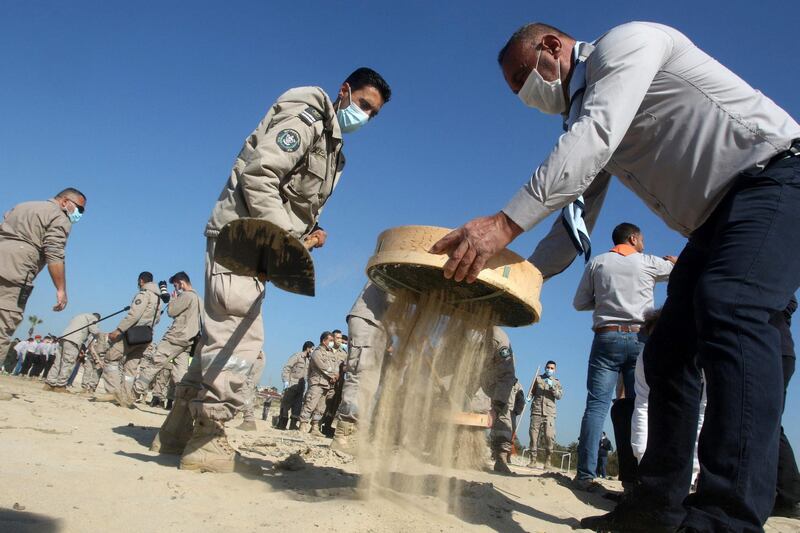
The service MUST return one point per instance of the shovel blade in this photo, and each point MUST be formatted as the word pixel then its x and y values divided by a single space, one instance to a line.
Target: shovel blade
pixel 258 248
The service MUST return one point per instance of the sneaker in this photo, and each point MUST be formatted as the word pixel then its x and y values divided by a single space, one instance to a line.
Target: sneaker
pixel 587 485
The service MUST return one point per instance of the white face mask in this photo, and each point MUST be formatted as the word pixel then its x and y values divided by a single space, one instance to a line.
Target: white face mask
pixel 546 96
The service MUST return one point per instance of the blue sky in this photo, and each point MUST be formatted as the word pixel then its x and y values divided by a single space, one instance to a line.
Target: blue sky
pixel 145 105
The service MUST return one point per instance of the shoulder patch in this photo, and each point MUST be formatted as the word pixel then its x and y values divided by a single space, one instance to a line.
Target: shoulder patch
pixel 310 115
pixel 288 140
pixel 138 301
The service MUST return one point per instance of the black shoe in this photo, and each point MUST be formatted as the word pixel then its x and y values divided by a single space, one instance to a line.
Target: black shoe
pixel 282 422
pixel 615 522
pixel 168 407
pixel 155 402
pixel 786 510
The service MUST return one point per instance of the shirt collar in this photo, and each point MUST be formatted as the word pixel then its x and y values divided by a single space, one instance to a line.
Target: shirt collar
pixel 624 250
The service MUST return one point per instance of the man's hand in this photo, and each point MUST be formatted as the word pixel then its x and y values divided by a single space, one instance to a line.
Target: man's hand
pixel 319 235
pixel 671 258
pixel 114 335
pixel 474 243
pixel 61 300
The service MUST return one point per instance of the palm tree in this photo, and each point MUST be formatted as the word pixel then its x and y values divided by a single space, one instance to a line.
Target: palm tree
pixel 35 321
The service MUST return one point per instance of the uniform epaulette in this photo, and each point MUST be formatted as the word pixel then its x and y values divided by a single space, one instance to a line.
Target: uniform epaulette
pixel 310 115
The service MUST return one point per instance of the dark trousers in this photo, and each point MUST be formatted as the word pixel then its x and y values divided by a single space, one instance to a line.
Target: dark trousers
pixel 788 476
pixel 27 363
pixel 292 400
pixel 621 414
pixel 49 364
pixel 39 364
pixel 741 266
pixel 602 461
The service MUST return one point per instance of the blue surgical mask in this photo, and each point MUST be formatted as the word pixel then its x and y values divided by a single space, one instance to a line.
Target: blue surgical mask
pixel 344 346
pixel 352 117
pixel 75 216
pixel 549 373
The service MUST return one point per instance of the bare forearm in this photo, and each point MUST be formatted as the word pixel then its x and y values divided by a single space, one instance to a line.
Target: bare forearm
pixel 58 275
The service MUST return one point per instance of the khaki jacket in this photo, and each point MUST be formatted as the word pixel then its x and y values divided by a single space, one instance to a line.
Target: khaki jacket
pixel 288 166
pixel 371 304
pixel 143 307
pixel 324 366
pixel 296 368
pixel 545 396
pixel 99 347
pixel 79 321
pixel 499 375
pixel 32 235
pixel 184 309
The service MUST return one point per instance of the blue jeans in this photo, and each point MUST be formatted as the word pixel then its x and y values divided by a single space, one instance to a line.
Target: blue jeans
pixel 18 368
pixel 602 461
pixel 613 353
pixel 739 268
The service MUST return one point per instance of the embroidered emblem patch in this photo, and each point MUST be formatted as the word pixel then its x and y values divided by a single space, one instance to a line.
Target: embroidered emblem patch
pixel 138 301
pixel 288 140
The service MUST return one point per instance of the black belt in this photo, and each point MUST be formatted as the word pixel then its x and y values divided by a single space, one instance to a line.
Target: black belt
pixel 793 151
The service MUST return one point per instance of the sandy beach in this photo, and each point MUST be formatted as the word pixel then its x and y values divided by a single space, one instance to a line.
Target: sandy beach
pixel 75 466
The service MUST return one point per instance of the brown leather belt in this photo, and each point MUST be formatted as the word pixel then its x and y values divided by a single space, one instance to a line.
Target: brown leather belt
pixel 621 329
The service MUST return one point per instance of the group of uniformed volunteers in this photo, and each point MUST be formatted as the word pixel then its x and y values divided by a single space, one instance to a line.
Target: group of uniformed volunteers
pixel 716 159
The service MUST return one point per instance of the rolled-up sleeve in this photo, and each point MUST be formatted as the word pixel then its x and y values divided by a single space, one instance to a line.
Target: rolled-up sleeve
pixel 618 74
pixel 54 241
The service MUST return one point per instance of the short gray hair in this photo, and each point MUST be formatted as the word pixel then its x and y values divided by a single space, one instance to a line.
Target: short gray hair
pixel 531 33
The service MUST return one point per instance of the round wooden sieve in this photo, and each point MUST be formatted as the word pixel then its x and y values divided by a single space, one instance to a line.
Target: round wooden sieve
pixel 509 283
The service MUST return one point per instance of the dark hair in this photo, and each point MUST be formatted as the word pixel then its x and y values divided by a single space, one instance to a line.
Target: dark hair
pixel 364 76
pixel 146 276
pixel 550 362
pixel 71 191
pixel 97 315
pixel 334 332
pixel 308 344
pixel 324 335
pixel 180 276
pixel 623 232
pixel 345 337
pixel 531 33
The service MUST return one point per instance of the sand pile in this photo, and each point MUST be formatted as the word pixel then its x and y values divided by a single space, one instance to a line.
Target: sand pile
pixel 439 351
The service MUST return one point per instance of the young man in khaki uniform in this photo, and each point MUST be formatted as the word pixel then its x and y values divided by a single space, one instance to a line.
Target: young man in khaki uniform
pixel 122 359
pixel 499 382
pixel 79 330
pixel 285 173
pixel 94 362
pixel 367 346
pixel 172 352
pixel 32 235
pixel 546 390
pixel 322 374
pixel 294 375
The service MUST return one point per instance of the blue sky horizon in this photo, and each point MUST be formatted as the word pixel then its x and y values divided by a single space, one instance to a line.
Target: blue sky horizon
pixel 144 107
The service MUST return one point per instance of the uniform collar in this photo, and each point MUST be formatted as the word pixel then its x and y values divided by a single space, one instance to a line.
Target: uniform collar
pixel 577 83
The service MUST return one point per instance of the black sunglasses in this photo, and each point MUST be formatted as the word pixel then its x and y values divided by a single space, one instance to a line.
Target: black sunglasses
pixel 78 206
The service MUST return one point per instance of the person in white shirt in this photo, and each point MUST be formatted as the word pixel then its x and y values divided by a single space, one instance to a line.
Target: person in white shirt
pixel 717 161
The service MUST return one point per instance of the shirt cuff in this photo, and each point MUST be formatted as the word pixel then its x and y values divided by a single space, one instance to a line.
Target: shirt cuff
pixel 525 210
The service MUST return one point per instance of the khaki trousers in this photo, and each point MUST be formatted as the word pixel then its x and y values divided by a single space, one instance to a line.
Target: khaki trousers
pixel 165 357
pixel 503 426
pixel 253 379
pixel 91 374
pixel 314 402
pixel 366 351
pixel 122 364
pixel 64 364
pixel 544 427
pixel 160 383
pixel 233 339
pixel 10 314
